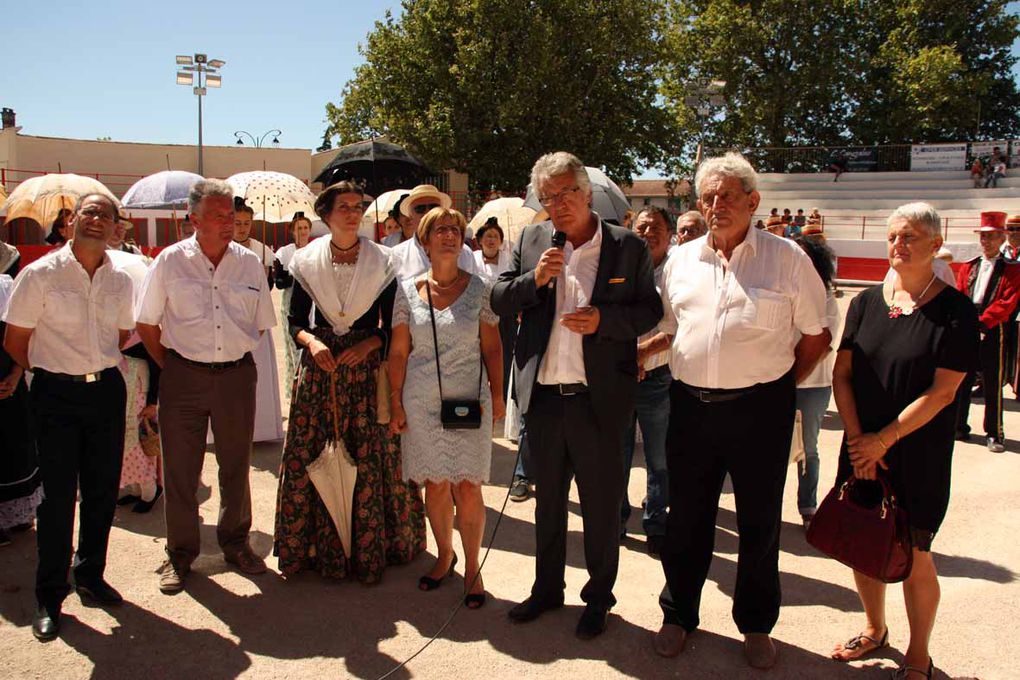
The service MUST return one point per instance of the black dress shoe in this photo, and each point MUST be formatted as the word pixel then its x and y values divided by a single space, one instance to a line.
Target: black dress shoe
pixel 145 506
pixel 99 592
pixel 532 608
pixel 46 624
pixel 592 622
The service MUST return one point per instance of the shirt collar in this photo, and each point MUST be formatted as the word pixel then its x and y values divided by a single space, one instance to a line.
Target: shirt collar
pixel 67 255
pixel 751 240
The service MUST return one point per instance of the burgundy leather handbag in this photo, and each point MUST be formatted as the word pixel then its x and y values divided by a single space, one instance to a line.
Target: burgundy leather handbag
pixel 872 539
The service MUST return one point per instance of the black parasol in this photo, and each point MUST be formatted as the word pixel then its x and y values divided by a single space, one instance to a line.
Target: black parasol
pixel 375 164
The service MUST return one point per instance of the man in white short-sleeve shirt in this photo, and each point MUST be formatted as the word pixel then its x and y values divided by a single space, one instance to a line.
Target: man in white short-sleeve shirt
pixel 68 316
pixel 745 312
pixel 201 311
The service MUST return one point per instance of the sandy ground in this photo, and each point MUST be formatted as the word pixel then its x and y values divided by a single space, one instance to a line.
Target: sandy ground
pixel 226 625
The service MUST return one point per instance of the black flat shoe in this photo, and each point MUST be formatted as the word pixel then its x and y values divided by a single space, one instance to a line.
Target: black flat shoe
pixel 592 623
pixel 474 600
pixel 532 608
pixel 98 592
pixel 128 500
pixel 46 624
pixel 144 506
pixel 427 583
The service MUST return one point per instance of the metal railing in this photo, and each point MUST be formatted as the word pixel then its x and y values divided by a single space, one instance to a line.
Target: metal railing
pixel 808 159
pixel 873 227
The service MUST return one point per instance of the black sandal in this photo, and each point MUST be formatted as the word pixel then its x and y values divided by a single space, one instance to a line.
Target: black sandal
pixel 427 583
pixel 475 600
pixel 901 672
pixel 859 641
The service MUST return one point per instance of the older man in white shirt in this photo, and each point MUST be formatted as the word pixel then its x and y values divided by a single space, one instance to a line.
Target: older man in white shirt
pixel 736 300
pixel 201 311
pixel 68 315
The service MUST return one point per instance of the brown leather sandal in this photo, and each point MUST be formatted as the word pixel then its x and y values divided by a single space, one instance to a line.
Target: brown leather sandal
pixel 862 642
pixel 901 672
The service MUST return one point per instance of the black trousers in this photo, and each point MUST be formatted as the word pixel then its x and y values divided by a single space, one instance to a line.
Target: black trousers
pixel 80 438
pixel 749 438
pixel 567 439
pixel 991 360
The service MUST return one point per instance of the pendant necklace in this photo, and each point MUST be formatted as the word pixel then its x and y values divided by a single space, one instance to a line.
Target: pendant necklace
pixel 896 311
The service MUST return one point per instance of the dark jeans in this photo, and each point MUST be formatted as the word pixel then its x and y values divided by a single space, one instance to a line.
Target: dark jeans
pixel 991 359
pixel 80 437
pixel 567 439
pixel 651 412
pixel 749 438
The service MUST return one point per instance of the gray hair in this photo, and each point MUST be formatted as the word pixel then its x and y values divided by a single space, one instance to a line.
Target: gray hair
pixel 731 165
pixel 205 188
pixel 698 218
pixel 920 214
pixel 559 163
pixel 667 219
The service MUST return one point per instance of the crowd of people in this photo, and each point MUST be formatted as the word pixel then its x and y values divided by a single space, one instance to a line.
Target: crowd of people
pixel 986 171
pixel 402 355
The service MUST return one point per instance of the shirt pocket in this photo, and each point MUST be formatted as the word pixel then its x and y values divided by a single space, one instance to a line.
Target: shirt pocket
pixel 767 309
pixel 188 300
pixel 109 310
pixel 242 302
pixel 67 309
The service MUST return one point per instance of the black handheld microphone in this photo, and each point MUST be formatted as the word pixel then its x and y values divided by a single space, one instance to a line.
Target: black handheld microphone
pixel 559 239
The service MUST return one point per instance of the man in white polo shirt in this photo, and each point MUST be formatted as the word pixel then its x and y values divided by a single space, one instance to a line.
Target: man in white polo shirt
pixel 736 300
pixel 69 314
pixel 201 311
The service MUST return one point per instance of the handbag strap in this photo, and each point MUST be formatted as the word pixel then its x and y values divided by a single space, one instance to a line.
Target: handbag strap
pixel 435 341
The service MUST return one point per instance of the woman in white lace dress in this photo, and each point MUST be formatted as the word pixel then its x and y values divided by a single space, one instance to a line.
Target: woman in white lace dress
pixel 451 463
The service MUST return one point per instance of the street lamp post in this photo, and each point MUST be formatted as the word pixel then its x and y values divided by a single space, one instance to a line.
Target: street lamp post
pixel 207 74
pixel 257 141
pixel 705 94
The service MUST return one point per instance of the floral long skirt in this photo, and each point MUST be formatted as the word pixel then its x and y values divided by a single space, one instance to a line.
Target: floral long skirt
pixel 389 516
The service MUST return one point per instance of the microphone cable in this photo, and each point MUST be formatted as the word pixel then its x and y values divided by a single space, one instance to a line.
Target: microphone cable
pixel 460 603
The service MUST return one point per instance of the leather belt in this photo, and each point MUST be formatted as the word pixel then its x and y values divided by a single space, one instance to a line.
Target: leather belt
pixel 66 377
pixel 566 389
pixel 716 396
pixel 214 365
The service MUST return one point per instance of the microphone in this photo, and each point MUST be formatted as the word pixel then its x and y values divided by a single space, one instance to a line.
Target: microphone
pixel 559 239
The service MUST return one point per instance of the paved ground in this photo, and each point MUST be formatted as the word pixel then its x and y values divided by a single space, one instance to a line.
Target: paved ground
pixel 226 625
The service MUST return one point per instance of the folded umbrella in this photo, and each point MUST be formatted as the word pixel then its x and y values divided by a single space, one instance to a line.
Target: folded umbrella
pixel 334 475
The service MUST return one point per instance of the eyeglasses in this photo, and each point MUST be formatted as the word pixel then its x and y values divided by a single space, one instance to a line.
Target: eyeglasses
pixel 556 198
pixel 95 214
pixel 348 207
pixel 424 208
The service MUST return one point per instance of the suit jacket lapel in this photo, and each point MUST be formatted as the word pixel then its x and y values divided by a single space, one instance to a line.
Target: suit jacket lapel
pixel 607 256
pixel 993 282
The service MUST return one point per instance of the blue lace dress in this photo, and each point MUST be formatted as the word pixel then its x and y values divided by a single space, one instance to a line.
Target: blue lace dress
pixel 430 452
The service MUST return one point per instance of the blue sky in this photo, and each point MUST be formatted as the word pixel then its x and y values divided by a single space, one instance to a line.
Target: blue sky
pixel 71 70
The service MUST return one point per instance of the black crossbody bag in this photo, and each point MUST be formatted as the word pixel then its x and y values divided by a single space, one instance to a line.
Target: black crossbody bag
pixel 455 414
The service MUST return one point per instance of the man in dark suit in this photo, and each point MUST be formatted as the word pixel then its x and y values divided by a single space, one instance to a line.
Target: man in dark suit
pixel 582 308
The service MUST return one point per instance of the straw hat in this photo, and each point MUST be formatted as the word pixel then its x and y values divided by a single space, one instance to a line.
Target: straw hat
pixel 424 191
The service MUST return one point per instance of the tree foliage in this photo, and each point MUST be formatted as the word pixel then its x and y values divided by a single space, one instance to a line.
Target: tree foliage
pixel 822 72
pixel 486 86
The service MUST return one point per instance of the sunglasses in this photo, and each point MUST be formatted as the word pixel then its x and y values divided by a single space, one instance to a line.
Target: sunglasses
pixel 422 209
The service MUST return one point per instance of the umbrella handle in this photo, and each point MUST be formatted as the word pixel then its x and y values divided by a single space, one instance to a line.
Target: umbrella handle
pixel 336 409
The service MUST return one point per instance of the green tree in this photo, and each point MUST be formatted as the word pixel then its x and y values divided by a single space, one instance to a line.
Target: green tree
pixel 486 86
pixel 824 72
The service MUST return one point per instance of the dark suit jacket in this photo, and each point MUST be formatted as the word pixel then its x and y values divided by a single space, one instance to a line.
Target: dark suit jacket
pixel 628 305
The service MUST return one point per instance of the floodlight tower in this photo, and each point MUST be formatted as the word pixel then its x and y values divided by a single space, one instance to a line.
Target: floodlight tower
pixel 207 74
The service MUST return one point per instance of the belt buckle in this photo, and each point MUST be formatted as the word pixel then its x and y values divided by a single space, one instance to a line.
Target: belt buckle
pixel 91 377
pixel 559 388
pixel 704 397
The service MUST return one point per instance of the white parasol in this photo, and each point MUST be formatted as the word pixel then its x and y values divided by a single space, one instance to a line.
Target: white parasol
pixel 274 196
pixel 509 211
